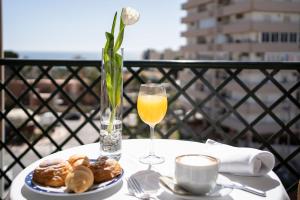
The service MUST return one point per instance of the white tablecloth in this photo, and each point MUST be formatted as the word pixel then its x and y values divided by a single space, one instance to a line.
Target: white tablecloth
pixel 132 150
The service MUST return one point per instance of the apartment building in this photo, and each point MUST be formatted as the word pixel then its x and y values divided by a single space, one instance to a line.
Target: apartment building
pixel 166 54
pixel 243 30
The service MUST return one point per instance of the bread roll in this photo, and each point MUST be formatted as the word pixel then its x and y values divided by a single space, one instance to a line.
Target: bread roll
pixel 80 179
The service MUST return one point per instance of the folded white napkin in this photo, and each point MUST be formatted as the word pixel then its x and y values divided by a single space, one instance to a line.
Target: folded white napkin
pixel 240 160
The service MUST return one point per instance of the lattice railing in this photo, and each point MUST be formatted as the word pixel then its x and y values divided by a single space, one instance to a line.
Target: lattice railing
pixel 51 105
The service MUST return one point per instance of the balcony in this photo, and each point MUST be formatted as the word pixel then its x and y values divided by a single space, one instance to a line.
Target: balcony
pixel 257 26
pixel 195 17
pixel 197 48
pixel 259 5
pixel 198 32
pixel 276 47
pixel 194 88
pixel 237 47
pixel 238 7
pixel 194 3
pixel 275 6
pixel 234 8
pixel 259 47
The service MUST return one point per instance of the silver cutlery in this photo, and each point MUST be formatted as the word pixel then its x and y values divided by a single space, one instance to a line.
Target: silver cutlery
pixel 136 189
pixel 244 188
pixel 169 183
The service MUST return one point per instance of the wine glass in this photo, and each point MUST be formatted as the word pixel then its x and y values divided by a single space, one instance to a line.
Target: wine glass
pixel 152 106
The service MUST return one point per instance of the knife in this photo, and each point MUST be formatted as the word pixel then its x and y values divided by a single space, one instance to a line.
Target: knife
pixel 244 188
pixel 169 183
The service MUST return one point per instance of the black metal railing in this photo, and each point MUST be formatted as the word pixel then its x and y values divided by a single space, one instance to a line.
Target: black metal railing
pixel 51 105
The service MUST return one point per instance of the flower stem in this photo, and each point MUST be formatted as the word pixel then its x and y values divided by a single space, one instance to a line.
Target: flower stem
pixel 111 120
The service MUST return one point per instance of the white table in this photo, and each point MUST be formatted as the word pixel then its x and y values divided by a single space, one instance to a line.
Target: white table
pixel 132 150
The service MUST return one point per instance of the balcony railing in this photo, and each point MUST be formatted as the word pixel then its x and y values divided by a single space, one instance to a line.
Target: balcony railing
pixel 51 105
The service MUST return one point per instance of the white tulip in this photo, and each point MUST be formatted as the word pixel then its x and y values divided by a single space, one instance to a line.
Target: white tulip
pixel 130 16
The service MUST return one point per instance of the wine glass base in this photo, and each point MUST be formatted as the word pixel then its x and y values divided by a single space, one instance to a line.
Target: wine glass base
pixel 152 159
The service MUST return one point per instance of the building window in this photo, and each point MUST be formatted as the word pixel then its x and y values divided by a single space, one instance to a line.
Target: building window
pixel 286 18
pixel 259 54
pixel 244 56
pixel 274 37
pixel 201 8
pixel 265 37
pixel 284 37
pixel 239 16
pixel 220 39
pixel 201 40
pixel 224 2
pixel 207 23
pixel 293 37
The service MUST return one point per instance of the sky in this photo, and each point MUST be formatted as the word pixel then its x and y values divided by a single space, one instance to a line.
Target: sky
pixel 80 25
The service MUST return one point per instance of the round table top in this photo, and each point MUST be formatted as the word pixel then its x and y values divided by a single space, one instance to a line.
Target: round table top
pixel 131 151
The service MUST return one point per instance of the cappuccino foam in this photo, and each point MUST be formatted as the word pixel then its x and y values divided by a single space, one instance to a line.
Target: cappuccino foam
pixel 196 160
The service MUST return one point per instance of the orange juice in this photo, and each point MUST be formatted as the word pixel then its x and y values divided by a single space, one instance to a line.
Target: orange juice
pixel 152 108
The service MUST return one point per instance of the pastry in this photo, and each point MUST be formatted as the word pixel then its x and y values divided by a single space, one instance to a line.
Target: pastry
pixel 78 159
pixel 105 169
pixel 80 179
pixel 52 172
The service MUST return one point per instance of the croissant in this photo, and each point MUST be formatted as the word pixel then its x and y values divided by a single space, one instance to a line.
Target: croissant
pixel 80 179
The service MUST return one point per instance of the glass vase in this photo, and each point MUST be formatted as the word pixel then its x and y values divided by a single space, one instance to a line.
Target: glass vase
pixel 111 103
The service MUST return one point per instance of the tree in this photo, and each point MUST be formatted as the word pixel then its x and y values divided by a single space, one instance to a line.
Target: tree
pixel 10 54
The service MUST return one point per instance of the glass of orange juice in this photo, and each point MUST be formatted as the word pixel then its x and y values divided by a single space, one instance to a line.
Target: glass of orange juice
pixel 152 106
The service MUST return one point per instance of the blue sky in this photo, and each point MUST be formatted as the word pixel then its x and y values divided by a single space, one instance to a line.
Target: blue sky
pixel 79 25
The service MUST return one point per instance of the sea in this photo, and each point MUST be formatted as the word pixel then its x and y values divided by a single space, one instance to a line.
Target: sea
pixel 128 55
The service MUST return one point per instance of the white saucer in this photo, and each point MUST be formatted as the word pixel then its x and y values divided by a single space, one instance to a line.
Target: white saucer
pixel 217 192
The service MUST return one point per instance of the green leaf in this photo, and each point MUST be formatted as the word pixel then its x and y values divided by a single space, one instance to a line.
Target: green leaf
pixel 109 42
pixel 114 24
pixel 109 87
pixel 119 61
pixel 108 52
pixel 108 75
pixel 113 75
pixel 120 36
pixel 110 36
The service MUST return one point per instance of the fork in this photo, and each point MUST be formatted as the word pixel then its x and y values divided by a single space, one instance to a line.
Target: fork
pixel 137 190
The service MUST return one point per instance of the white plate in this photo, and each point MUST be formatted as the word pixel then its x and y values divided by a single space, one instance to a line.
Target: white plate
pixel 61 191
pixel 217 192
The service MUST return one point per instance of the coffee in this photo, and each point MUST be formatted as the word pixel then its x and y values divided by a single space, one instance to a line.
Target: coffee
pixel 196 160
pixel 196 173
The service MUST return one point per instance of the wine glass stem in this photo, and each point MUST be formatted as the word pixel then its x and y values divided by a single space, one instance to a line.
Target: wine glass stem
pixel 151 150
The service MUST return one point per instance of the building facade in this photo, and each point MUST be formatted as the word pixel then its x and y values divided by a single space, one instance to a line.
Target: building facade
pixel 243 30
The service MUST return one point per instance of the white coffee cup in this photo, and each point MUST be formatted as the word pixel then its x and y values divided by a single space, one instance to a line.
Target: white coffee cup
pixel 196 173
